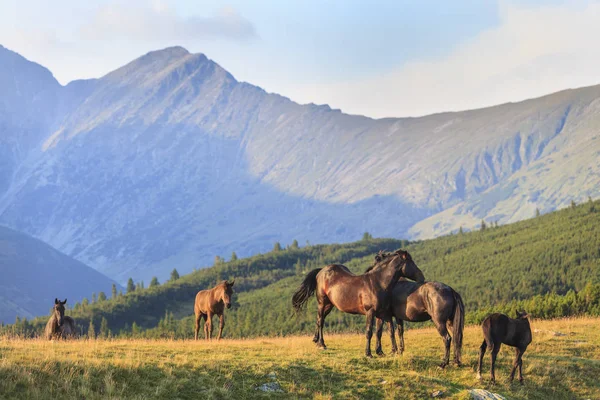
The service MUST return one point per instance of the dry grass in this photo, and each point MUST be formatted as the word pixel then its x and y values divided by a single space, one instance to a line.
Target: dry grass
pixel 555 367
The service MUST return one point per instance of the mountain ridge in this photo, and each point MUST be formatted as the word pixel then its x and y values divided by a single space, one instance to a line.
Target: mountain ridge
pixel 168 160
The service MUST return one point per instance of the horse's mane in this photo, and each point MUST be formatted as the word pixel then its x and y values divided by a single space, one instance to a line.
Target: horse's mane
pixel 382 256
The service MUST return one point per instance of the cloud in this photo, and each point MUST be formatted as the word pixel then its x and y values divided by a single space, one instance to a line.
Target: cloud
pixel 531 52
pixel 160 23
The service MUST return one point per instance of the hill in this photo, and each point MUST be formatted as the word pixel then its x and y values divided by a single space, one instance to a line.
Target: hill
pixel 169 161
pixel 545 265
pixel 34 274
pixel 554 367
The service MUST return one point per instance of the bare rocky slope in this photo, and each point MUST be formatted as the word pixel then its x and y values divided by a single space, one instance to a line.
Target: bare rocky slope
pixel 169 161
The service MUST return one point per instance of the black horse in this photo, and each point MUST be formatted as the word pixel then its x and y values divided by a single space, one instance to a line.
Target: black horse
pixel 418 302
pixel 367 294
pixel 498 329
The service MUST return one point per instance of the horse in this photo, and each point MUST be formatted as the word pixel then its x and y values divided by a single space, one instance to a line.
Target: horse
pixel 498 329
pixel 419 302
pixel 59 326
pixel 212 302
pixel 366 294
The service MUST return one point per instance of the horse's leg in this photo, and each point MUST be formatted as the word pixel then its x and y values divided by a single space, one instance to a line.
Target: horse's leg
pixel 481 354
pixel 221 325
pixel 495 349
pixel 378 333
pixel 325 308
pixel 208 325
pixel 521 365
pixel 198 317
pixel 443 330
pixel 400 324
pixel 393 337
pixel 515 364
pixel 370 320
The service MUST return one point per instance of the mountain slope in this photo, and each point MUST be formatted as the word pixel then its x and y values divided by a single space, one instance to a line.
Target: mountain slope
pixel 491 269
pixel 34 274
pixel 169 161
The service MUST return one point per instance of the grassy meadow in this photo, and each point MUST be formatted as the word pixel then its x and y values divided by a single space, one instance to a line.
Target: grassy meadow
pixel 555 367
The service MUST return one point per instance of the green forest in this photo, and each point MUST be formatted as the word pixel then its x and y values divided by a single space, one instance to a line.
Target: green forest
pixel 547 265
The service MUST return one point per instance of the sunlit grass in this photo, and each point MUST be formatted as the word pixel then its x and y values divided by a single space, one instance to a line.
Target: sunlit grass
pixel 555 367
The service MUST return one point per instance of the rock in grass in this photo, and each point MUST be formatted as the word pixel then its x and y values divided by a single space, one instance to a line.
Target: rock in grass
pixel 437 393
pixel 480 394
pixel 270 387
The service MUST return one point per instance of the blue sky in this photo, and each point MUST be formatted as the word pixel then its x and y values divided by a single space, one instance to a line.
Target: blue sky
pixel 378 58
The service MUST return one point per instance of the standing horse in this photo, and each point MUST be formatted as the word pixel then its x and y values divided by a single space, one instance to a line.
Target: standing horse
pixel 418 302
pixel 498 329
pixel 212 302
pixel 59 326
pixel 367 294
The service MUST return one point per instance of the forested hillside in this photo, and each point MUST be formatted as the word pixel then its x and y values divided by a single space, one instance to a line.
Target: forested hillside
pixel 549 264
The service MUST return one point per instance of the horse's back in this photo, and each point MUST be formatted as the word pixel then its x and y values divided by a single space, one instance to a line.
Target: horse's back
pixel 68 328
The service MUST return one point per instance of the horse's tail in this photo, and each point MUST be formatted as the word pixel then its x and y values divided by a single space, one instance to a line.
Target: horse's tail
pixel 458 324
pixel 306 290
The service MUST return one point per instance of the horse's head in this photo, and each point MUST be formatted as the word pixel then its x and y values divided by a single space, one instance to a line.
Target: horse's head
pixel 402 263
pixel 59 311
pixel 522 314
pixel 226 292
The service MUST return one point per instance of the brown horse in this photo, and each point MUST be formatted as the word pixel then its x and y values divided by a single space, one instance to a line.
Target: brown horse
pixel 59 326
pixel 418 302
pixel 498 329
pixel 367 294
pixel 212 302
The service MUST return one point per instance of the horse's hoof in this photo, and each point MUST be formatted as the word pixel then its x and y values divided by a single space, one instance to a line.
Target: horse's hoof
pixel 369 355
pixel 321 347
pixel 458 364
pixel 478 376
pixel 315 339
pixel 381 354
pixel 521 381
pixel 443 365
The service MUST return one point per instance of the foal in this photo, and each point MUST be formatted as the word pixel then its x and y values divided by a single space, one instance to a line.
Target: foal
pixel 210 302
pixel 58 325
pixel 498 329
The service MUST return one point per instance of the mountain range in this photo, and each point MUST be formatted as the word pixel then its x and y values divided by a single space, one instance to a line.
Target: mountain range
pixel 169 161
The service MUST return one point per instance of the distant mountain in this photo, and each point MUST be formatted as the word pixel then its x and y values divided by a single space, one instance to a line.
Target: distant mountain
pixel 169 161
pixel 33 274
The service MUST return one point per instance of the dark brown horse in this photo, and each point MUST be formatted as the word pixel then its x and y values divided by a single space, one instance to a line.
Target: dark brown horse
pixel 212 302
pixel 367 294
pixel 498 329
pixel 59 326
pixel 418 302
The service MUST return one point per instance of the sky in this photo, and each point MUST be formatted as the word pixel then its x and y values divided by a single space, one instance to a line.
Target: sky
pixel 377 58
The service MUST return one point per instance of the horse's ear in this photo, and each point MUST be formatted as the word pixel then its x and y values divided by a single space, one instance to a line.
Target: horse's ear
pixel 65 302
pixel 377 258
pixel 55 300
pixel 518 313
pixel 232 282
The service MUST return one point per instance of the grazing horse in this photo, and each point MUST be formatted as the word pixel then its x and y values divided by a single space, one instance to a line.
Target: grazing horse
pixel 367 294
pixel 418 302
pixel 212 302
pixel 59 326
pixel 498 329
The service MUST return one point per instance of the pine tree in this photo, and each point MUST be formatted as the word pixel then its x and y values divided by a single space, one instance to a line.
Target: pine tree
pixel 174 275
pixel 483 225
pixel 367 236
pixel 218 260
pixel 277 246
pixel 91 330
pixel 114 291
pixel 130 286
pixel 460 230
pixel 154 282
pixel 85 302
pixel 93 298
pixel 537 212
pixel 573 204
pixel 101 296
pixel 234 256
pixel 104 331
pixel 135 329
